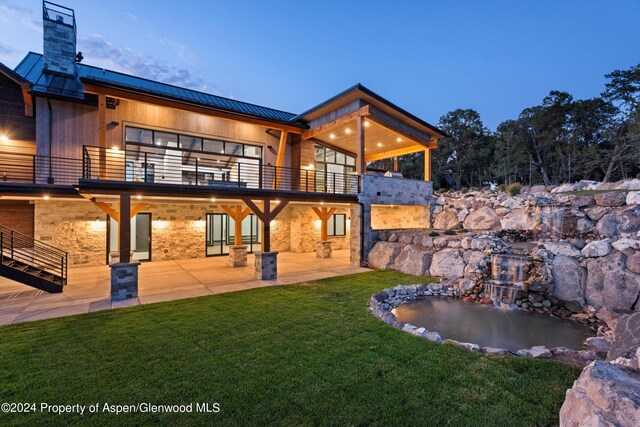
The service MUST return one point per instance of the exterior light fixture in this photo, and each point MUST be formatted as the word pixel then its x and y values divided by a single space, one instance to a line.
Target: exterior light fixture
pixel 398 139
pixel 366 124
pixel 347 131
pixel 379 144
pixel 115 148
pixel 332 136
pixel 213 199
pixel 138 197
pixel 45 197
pixel 4 138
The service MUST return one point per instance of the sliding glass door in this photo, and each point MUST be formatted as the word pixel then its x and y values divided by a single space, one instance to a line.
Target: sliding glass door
pixel 220 233
pixel 140 237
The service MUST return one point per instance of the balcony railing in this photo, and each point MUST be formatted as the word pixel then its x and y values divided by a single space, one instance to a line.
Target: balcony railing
pixel 158 167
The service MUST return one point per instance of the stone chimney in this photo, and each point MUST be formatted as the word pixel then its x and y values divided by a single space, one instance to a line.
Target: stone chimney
pixel 59 33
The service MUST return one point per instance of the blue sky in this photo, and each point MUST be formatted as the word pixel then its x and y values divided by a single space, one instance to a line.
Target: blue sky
pixel 429 57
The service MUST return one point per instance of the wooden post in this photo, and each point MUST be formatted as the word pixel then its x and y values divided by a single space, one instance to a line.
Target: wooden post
pixel 395 164
pixel 360 164
pixel 282 148
pixel 102 133
pixel 266 215
pixel 324 214
pixel 125 228
pixel 427 165
pixel 238 215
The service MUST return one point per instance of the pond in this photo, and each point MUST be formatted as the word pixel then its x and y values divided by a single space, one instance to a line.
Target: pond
pixel 489 326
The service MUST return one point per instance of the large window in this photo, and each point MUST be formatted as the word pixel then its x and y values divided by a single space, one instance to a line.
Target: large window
pixel 337 225
pixel 332 168
pixel 134 135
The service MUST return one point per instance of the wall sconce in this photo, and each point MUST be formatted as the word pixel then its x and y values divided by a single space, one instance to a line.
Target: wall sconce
pixel 114 123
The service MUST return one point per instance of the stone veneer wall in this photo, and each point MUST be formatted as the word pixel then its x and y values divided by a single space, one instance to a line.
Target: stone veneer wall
pixel 388 217
pixel 305 230
pixel 80 228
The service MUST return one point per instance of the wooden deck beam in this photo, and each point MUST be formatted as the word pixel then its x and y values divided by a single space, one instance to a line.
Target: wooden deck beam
pixel 324 214
pixel 266 215
pixel 361 112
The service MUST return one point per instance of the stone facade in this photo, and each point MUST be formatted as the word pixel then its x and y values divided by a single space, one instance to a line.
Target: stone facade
pixel 178 229
pixel 266 265
pixel 238 256
pixel 323 249
pixel 59 47
pixel 386 217
pixel 124 280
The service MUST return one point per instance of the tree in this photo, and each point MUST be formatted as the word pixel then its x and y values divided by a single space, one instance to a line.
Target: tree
pixel 463 156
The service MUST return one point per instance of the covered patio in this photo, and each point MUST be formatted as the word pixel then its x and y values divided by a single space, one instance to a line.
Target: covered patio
pixel 89 287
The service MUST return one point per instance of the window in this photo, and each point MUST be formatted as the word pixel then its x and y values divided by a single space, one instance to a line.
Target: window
pixel 337 225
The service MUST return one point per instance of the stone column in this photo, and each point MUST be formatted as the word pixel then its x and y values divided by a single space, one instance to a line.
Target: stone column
pixel 237 256
pixel 266 265
pixel 323 250
pixel 124 280
pixel 362 237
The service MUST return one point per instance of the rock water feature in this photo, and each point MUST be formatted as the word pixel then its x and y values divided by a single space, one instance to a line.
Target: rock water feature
pixel 508 273
pixel 549 219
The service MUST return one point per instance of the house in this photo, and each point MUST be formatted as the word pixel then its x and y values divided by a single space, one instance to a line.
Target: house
pixel 99 167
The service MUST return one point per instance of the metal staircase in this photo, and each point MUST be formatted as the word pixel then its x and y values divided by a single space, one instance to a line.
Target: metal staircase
pixel 32 262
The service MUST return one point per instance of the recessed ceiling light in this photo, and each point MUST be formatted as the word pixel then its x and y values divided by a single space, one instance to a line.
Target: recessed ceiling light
pixel 367 124
pixel 138 197
pixel 213 199
pixel 46 197
pixel 399 139
pixel 332 136
pixel 347 131
pixel 379 144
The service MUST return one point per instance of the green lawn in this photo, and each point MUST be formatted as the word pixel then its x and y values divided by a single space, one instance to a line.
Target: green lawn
pixel 307 354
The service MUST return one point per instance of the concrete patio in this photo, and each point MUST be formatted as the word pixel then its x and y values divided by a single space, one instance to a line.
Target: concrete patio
pixel 89 287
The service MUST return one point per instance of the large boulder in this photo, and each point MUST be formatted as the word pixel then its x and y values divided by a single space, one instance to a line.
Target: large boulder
pixel 447 219
pixel 448 263
pixel 613 198
pixel 483 218
pixel 476 262
pixel 626 336
pixel 383 254
pixel 597 249
pixel 568 278
pixel 610 284
pixel 616 222
pixel 603 395
pixel 517 219
pixel 633 198
pixel 633 263
pixel 596 212
pixel 626 246
pixel 562 248
pixel 413 260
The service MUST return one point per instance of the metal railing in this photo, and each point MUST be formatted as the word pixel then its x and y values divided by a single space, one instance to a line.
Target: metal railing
pixel 27 168
pixel 163 166
pixel 24 249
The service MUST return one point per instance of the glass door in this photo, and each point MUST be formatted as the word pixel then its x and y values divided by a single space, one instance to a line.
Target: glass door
pixel 216 233
pixel 140 237
pixel 251 232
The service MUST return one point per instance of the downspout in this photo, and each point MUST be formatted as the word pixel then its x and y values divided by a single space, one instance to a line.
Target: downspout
pixel 50 179
pixel 363 263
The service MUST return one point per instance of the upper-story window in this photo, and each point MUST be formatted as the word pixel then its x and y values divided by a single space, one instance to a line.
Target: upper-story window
pixel 135 135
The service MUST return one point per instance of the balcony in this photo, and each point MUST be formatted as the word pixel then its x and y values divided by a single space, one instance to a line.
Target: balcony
pixel 171 169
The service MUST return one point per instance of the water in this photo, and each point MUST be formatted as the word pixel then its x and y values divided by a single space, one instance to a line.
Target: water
pixel 550 219
pixel 508 271
pixel 488 326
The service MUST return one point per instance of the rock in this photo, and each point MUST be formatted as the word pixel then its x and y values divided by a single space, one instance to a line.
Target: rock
pixel 465 284
pixel 440 242
pixel 494 350
pixel 502 211
pixel 405 239
pixel 383 254
pixel 562 248
pixel 630 184
pixel 633 263
pixel 626 336
pixel 413 260
pixel 447 219
pixel 596 212
pixel 448 263
pixel 538 351
pixel 582 358
pixel 433 336
pixel 627 246
pixel 487 300
pixel 633 198
pixel 616 222
pixel 511 203
pixel 573 306
pixel 583 225
pixel 462 214
pixel 611 199
pixel 598 344
pixel 585 184
pixel 517 219
pixel 603 395
pixel 582 201
pixel 537 189
pixel 564 188
pixel 483 218
pixel 597 249
pixel 473 264
pixel 609 284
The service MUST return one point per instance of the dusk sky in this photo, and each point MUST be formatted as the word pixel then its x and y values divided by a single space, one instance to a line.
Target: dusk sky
pixel 428 57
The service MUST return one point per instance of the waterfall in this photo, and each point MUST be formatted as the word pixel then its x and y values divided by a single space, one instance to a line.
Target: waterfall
pixel 549 220
pixel 508 271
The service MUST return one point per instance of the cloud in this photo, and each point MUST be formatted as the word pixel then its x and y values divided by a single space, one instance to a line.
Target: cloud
pixel 101 52
pixel 7 50
pixel 27 17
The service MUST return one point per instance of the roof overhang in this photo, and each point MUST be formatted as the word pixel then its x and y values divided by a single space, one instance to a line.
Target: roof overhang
pixel 24 87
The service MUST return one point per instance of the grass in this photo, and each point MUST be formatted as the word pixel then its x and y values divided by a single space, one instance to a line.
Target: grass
pixel 306 354
pixel 589 192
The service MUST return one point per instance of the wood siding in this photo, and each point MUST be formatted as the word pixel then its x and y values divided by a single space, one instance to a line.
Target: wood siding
pixel 19 128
